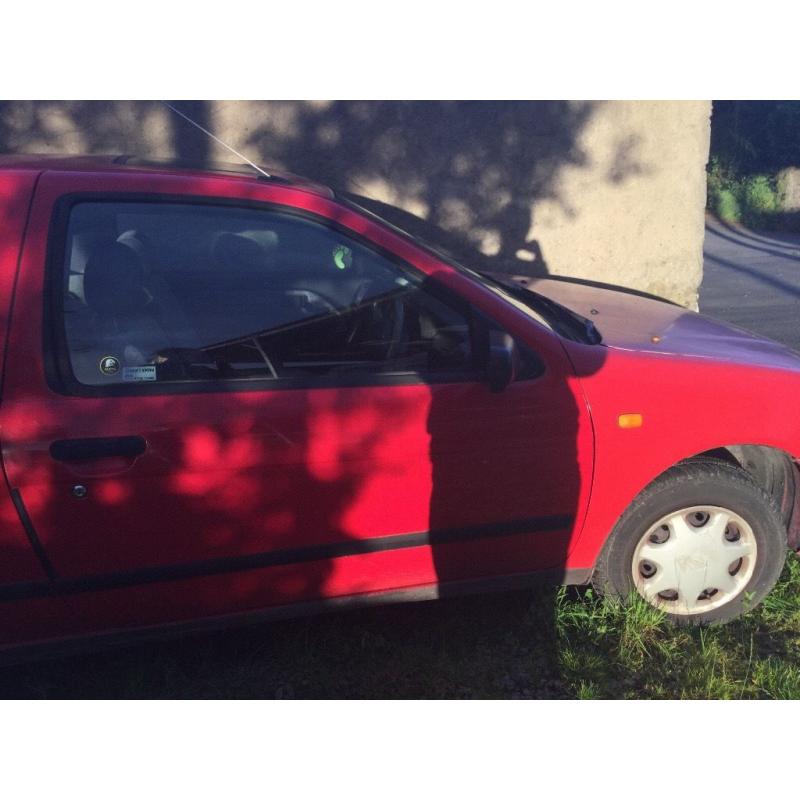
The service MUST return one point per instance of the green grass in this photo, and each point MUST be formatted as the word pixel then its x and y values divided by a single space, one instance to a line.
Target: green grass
pixel 559 643
pixel 615 651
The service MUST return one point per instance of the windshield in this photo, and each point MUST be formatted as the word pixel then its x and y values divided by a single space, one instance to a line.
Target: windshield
pixel 562 320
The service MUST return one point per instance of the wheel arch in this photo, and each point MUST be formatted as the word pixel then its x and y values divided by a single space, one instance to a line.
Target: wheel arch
pixel 773 470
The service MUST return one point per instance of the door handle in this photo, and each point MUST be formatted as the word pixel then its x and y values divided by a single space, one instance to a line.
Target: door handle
pixel 100 447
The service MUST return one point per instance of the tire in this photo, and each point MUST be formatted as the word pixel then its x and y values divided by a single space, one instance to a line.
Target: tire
pixel 678 536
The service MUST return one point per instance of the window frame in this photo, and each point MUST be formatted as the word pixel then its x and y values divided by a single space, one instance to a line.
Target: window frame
pixel 58 366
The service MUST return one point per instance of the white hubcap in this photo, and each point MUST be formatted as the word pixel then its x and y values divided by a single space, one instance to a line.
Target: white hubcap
pixel 694 560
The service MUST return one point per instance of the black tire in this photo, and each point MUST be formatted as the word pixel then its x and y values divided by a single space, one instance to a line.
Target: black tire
pixel 705 482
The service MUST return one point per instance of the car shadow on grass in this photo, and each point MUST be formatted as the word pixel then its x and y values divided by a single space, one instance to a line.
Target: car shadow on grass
pixel 491 646
pixel 542 644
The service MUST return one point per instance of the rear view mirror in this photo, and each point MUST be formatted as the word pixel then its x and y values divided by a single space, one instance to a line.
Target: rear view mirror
pixel 501 361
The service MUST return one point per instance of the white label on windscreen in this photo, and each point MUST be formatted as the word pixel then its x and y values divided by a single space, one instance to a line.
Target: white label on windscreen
pixel 145 373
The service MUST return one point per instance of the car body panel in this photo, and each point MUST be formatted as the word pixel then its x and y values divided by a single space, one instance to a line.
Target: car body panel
pixel 632 322
pixel 17 561
pixel 686 407
pixel 43 616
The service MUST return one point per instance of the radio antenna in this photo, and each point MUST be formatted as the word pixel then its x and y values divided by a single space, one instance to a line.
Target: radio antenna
pixel 216 139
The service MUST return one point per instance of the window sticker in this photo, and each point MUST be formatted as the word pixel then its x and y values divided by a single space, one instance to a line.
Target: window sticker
pixel 143 373
pixel 109 365
pixel 342 256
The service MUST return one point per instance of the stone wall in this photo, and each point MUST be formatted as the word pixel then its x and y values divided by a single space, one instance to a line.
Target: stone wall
pixel 608 191
pixel 789 189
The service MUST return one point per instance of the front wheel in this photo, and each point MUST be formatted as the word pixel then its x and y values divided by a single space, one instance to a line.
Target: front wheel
pixel 703 543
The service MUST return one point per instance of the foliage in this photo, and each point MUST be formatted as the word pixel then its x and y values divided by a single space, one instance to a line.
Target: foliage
pixel 752 137
pixel 726 206
pixel 751 142
pixel 753 200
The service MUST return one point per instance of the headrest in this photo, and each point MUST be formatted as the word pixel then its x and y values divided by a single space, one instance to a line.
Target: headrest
pixel 112 280
pixel 138 242
pixel 235 251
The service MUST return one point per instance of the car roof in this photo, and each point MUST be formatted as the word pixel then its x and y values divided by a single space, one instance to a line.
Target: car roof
pixel 131 163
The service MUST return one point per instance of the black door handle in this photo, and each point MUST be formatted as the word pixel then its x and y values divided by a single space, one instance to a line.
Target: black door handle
pixel 88 449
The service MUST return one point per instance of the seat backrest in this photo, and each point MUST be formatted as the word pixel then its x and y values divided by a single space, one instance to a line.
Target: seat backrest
pixel 167 307
pixel 113 281
pixel 121 319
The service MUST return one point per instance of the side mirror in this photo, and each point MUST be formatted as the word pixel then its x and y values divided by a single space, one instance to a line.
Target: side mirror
pixel 500 370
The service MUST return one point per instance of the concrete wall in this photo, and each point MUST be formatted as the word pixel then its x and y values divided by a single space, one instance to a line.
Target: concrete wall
pixel 609 191
pixel 789 189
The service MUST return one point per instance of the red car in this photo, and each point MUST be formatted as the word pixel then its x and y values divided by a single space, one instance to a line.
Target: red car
pixel 227 396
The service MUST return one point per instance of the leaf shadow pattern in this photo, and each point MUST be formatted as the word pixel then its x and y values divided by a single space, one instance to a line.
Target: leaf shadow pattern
pixel 466 173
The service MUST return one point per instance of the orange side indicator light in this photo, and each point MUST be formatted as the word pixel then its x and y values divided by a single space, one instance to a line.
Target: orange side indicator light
pixel 630 420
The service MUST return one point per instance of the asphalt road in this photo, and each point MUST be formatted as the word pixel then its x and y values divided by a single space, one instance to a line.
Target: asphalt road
pixel 752 280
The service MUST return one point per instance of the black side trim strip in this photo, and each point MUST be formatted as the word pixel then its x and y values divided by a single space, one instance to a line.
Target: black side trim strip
pixel 28 590
pixel 30 532
pixel 273 558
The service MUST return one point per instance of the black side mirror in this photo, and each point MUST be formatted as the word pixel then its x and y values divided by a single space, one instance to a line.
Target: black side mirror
pixel 502 358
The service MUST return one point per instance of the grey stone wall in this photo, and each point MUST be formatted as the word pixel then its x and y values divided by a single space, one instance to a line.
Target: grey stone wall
pixel 609 191
pixel 789 188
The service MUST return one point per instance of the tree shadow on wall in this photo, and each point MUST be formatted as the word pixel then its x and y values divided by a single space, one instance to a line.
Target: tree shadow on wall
pixel 463 173
pixel 466 175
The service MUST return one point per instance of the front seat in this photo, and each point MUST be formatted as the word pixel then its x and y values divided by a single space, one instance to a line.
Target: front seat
pixel 120 318
pixel 166 304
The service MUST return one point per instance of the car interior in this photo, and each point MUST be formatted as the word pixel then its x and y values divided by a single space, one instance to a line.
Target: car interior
pixel 227 293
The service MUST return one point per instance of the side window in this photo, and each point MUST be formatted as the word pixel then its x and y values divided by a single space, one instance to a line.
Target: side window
pixel 180 292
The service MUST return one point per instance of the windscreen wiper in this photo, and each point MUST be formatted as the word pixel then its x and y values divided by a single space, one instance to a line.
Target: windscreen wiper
pixel 566 321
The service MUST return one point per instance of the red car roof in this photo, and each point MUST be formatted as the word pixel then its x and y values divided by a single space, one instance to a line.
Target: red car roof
pixel 127 163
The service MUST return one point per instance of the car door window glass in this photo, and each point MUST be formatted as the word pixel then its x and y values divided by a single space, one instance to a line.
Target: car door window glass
pixel 179 292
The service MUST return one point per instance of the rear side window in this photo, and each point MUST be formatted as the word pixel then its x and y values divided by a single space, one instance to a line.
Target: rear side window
pixel 175 293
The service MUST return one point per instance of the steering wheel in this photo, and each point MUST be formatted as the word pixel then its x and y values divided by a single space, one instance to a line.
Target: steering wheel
pixel 392 326
pixel 316 298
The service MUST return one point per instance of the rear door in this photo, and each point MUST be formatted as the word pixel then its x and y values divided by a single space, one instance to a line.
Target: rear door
pixel 254 397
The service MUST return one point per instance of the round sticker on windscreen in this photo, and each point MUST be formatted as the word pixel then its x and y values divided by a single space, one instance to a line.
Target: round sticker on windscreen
pixel 342 256
pixel 109 365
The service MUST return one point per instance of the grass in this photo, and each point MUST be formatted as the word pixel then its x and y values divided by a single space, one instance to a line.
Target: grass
pixel 644 656
pixel 559 643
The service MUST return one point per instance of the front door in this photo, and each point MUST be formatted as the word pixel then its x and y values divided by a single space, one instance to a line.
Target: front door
pixel 246 406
